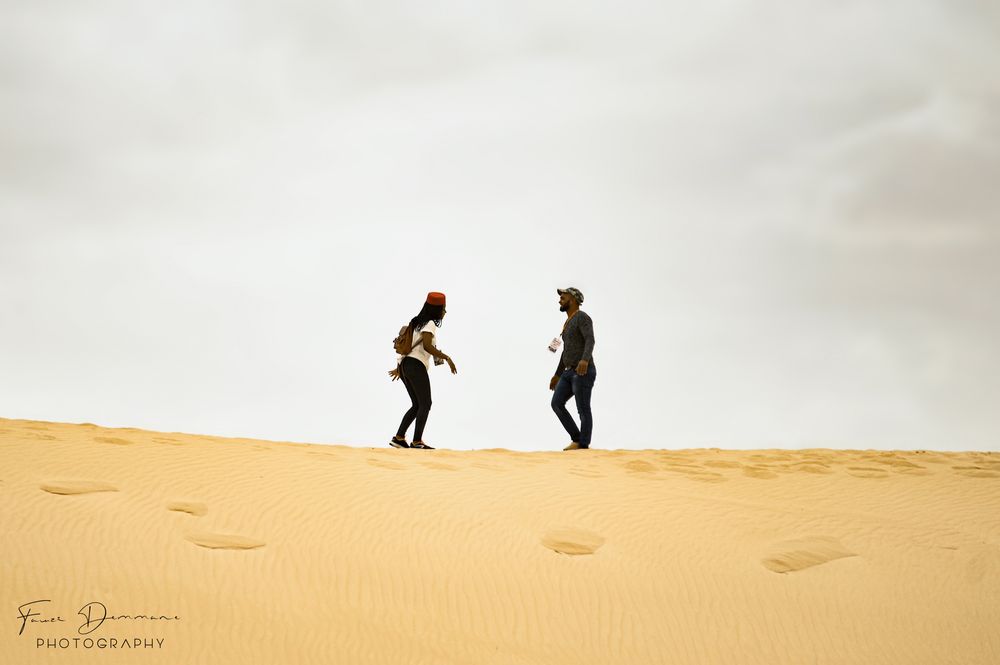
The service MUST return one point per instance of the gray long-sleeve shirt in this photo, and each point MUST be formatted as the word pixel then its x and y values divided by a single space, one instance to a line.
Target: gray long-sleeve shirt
pixel 578 342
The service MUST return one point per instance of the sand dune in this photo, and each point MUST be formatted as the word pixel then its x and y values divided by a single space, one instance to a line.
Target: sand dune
pixel 199 549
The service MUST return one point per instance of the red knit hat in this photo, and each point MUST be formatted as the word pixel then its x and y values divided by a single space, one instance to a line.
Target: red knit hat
pixel 435 298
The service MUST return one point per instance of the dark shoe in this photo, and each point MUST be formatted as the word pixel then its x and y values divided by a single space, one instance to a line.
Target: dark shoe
pixel 421 445
pixel 576 446
pixel 398 443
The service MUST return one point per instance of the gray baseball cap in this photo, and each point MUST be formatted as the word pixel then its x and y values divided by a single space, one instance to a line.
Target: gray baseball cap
pixel 573 291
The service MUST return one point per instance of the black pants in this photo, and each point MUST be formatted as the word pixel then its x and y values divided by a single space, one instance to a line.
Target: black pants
pixel 413 373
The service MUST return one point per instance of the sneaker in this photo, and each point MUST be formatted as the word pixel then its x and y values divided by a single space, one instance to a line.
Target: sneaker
pixel 398 443
pixel 421 445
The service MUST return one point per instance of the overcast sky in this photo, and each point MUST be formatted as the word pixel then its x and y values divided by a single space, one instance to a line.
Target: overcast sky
pixel 214 216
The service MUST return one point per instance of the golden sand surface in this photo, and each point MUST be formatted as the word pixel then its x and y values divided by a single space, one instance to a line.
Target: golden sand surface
pixel 131 546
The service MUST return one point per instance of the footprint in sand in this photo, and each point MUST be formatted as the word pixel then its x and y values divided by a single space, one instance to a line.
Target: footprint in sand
pixel 932 458
pixel 39 437
pixel 190 507
pixel 867 472
pixel 896 464
pixel 224 541
pixel 639 466
pixel 975 472
pixel 790 556
pixel 166 440
pixel 811 467
pixel 707 477
pixel 667 460
pixel 114 440
pixel 723 464
pixel 572 541
pixel 911 472
pixel 70 487
pixel 758 472
pixel 695 472
pixel 778 457
pixel 679 467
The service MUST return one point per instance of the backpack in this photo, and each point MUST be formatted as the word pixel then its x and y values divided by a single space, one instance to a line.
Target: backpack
pixel 404 340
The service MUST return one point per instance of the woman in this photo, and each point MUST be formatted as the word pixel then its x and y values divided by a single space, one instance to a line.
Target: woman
pixel 414 366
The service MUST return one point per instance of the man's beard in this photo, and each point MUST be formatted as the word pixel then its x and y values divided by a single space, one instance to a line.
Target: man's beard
pixel 563 308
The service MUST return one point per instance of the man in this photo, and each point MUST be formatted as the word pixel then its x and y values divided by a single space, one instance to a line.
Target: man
pixel 575 373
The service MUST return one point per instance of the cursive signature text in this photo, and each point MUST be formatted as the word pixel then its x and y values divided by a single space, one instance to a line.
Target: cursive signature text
pixel 94 614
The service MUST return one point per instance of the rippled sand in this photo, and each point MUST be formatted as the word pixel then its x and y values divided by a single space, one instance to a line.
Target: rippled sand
pixel 253 551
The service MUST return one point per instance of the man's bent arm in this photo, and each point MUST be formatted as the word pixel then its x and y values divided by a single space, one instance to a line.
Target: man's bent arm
pixel 587 330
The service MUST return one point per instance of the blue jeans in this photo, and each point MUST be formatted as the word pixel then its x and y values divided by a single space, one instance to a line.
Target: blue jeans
pixel 572 384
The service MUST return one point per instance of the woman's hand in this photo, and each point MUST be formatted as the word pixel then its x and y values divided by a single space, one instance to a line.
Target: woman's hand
pixel 451 365
pixel 394 373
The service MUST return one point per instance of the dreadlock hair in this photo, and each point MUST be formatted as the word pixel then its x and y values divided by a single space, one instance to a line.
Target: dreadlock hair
pixel 427 313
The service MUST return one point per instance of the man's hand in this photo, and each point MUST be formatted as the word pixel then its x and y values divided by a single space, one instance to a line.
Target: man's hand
pixel 394 373
pixel 581 367
pixel 451 365
pixel 553 382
